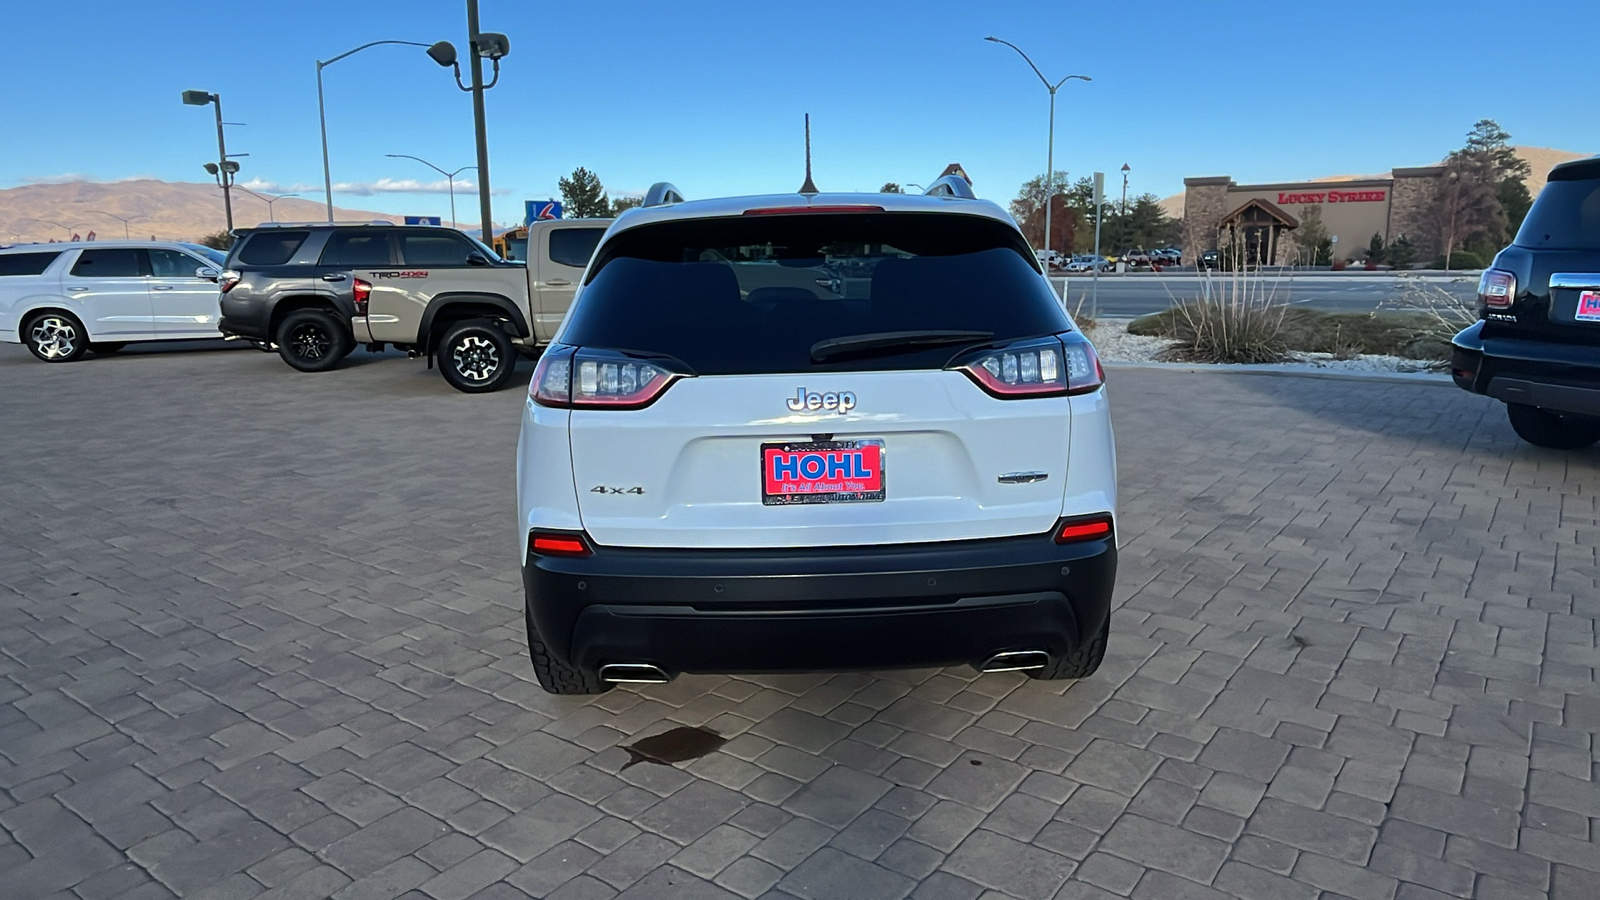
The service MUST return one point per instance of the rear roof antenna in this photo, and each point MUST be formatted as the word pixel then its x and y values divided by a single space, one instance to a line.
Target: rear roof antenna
pixel 810 187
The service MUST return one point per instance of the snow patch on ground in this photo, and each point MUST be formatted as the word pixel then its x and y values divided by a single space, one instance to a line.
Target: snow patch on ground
pixel 1115 345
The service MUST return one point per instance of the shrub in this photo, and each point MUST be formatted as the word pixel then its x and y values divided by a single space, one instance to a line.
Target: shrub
pixel 1460 259
pixel 220 240
pixel 1239 330
pixel 1402 254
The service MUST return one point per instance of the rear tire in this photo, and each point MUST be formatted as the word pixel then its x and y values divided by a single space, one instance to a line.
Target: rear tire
pixel 1081 662
pixel 55 337
pixel 555 676
pixel 1544 428
pixel 477 356
pixel 313 340
pixel 106 348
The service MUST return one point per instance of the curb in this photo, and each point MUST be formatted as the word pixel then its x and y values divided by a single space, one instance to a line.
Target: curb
pixel 1436 379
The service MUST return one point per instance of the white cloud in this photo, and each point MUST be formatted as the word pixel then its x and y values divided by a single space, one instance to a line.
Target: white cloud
pixel 369 188
pixel 63 178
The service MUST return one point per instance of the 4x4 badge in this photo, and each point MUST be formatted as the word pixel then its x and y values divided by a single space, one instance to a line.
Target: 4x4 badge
pixel 840 402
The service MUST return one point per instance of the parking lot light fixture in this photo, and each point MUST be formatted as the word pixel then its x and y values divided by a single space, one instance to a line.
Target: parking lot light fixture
pixel 322 109
pixel 1050 156
pixel 126 234
pixel 269 199
pixel 202 98
pixel 450 176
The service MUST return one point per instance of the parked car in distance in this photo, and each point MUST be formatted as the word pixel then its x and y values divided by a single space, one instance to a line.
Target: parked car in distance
pixel 1088 263
pixel 1210 259
pixel 1167 257
pixel 1049 259
pixel 1135 258
pixel 732 460
pixel 314 292
pixel 1536 345
pixel 64 300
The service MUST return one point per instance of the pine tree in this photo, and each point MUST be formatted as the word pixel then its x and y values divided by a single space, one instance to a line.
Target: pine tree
pixel 891 188
pixel 1492 144
pixel 583 196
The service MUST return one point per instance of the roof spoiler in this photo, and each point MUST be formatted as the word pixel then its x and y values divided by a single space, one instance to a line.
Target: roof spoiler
pixel 661 194
pixel 951 186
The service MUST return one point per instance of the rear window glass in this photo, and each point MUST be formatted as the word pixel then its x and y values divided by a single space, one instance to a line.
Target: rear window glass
pixel 753 294
pixel 357 248
pixel 574 246
pixel 433 248
pixel 271 248
pixel 26 263
pixel 1565 217
pixel 110 264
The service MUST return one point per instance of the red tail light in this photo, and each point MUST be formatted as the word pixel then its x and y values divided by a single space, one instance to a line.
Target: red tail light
pixel 1035 368
pixel 228 279
pixel 1497 289
pixel 363 292
pixel 569 378
pixel 558 544
pixel 801 210
pixel 1092 528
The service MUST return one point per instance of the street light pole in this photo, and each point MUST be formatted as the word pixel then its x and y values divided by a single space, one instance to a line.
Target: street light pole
pixel 201 98
pixel 451 176
pixel 322 113
pixel 1122 224
pixel 1050 153
pixel 126 234
pixel 479 125
pixel 271 216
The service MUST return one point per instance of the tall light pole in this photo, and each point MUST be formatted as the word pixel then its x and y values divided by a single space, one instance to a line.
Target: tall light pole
pixel 482 45
pixel 450 176
pixel 66 228
pixel 322 110
pixel 201 98
pixel 269 200
pixel 1050 158
pixel 126 234
pixel 1122 223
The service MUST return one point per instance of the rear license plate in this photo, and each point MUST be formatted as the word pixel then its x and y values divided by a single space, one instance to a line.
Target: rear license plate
pixel 1589 306
pixel 821 472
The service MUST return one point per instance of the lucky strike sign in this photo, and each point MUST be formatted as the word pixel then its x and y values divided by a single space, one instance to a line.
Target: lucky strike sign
pixel 1286 197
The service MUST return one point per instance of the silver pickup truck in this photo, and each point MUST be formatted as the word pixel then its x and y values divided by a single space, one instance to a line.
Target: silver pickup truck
pixel 315 292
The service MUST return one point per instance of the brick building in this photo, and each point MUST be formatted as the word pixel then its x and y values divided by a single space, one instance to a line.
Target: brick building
pixel 1265 216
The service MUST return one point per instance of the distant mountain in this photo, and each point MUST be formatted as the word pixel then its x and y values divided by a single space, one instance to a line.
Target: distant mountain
pixel 171 211
pixel 1542 159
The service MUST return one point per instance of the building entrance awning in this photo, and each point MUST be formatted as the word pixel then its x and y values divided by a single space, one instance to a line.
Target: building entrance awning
pixel 1260 212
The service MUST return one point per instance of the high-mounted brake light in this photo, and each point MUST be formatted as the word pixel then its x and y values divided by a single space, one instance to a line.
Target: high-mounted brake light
pixel 1035 368
pixel 228 279
pixel 1090 529
pixel 798 210
pixel 1497 289
pixel 569 378
pixel 363 293
pixel 558 544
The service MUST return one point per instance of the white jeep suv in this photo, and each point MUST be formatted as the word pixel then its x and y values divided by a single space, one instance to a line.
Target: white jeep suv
pixel 63 300
pixel 815 432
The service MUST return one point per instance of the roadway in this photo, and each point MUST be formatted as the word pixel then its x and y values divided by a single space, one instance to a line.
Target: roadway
pixel 1135 294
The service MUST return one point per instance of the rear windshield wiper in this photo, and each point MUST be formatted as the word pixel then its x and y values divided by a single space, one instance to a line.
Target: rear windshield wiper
pixel 823 351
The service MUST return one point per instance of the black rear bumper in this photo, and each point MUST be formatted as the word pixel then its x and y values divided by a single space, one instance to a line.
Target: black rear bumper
pixel 821 609
pixel 1555 376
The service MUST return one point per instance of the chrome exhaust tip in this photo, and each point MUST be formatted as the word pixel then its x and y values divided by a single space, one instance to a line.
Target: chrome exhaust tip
pixel 1015 661
pixel 633 673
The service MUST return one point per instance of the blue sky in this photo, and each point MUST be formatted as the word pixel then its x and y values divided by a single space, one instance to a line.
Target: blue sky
pixel 710 95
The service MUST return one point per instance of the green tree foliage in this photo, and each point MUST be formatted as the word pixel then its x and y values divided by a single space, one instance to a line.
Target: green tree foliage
pixel 1402 254
pixel 1375 249
pixel 1144 225
pixel 1491 144
pixel 583 196
pixel 891 188
pixel 218 240
pixel 622 204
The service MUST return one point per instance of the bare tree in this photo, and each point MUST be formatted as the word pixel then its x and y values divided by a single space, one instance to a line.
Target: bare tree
pixel 1465 203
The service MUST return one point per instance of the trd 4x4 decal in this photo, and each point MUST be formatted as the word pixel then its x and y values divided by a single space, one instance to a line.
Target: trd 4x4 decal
pixel 413 274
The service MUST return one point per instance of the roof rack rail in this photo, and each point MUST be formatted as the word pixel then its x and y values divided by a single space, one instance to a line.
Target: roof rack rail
pixel 951 186
pixel 310 224
pixel 662 193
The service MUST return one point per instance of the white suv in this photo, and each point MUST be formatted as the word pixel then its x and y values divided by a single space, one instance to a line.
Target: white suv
pixel 815 432
pixel 64 299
